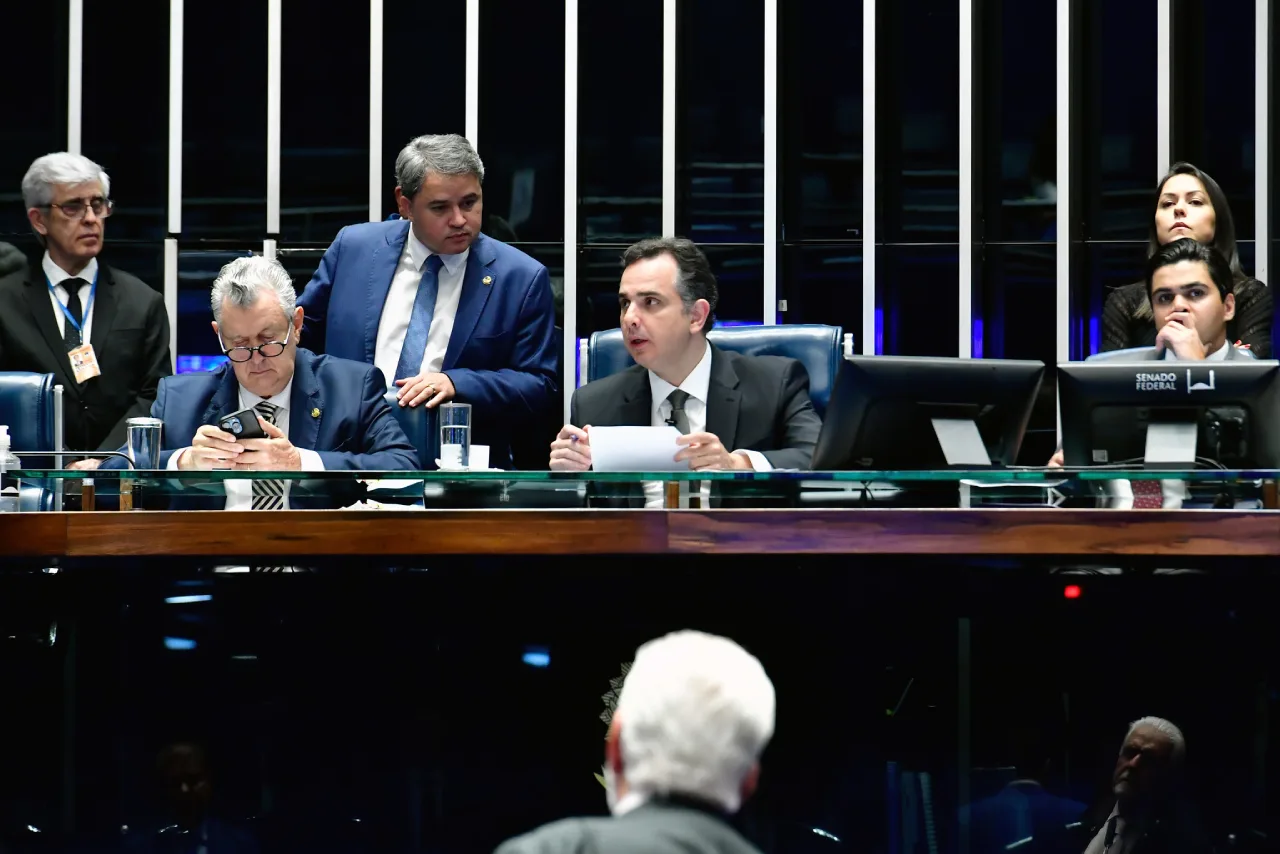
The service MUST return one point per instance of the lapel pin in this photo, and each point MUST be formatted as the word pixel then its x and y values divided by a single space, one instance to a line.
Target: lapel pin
pixel 488 280
pixel 315 413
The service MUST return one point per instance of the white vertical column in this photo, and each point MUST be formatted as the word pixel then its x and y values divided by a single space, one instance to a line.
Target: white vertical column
pixel 174 227
pixel 668 117
pixel 1062 309
pixel 965 293
pixel 570 352
pixel 171 297
pixel 269 246
pixel 75 73
pixel 472 84
pixel 1262 141
pixel 273 116
pixel 868 341
pixel 1164 86
pixel 175 120
pixel 375 110
pixel 770 162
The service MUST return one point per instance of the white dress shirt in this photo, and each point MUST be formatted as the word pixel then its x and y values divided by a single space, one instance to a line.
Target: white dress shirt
pixel 58 296
pixel 398 308
pixel 698 386
pixel 240 492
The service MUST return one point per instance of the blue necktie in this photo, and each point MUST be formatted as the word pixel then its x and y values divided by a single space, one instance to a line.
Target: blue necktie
pixel 424 307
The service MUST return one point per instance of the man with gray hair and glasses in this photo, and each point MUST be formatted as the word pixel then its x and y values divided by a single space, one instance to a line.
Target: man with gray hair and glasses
pixel 1148 814
pixel 444 311
pixel 318 412
pixel 682 754
pixel 103 333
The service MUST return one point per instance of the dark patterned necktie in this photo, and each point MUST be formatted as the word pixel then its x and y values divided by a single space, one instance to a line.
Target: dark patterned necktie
pixel 1147 495
pixel 268 494
pixel 679 417
pixel 71 336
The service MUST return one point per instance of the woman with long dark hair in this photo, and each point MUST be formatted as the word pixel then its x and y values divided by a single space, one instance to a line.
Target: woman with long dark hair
pixel 1189 203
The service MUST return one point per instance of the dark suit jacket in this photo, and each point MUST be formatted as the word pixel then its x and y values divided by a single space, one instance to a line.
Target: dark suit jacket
pixel 130 337
pixel 502 353
pixel 754 403
pixel 336 408
pixel 655 828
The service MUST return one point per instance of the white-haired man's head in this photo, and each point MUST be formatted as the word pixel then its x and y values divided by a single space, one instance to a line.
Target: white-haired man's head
pixel 694 715
pixel 1150 758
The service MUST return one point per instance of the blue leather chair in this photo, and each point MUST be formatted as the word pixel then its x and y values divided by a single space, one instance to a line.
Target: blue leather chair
pixel 819 348
pixel 422 426
pixel 29 409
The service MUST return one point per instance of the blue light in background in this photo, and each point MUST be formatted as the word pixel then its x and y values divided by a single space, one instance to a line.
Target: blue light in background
pixel 187 600
pixel 879 331
pixel 977 338
pixel 179 643
pixel 1093 335
pixel 199 364
pixel 537 656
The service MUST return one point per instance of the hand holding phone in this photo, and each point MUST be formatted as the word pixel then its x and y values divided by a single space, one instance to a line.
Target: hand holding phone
pixel 243 425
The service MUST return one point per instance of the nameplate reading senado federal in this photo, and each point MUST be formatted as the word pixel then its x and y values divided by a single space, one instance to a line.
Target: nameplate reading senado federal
pixel 1168 381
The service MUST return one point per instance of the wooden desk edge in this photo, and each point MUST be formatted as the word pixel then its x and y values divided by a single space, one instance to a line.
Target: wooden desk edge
pixel 584 532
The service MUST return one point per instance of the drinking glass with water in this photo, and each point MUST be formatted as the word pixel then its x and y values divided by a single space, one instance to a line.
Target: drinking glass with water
pixel 455 435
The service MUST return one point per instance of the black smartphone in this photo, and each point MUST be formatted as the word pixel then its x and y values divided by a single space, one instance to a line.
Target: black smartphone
pixel 243 425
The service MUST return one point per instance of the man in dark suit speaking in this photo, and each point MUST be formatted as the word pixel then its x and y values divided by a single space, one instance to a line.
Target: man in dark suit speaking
pixel 757 405
pixel 319 413
pixel 682 754
pixel 69 302
pixel 445 312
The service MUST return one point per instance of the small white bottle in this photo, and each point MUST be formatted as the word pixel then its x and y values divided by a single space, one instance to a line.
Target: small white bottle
pixel 10 488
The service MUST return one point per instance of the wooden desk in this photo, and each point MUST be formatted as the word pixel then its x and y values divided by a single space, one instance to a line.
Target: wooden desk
pixel 1047 532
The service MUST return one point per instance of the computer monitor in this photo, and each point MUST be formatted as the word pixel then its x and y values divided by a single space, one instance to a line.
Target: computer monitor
pixel 1166 414
pixel 911 412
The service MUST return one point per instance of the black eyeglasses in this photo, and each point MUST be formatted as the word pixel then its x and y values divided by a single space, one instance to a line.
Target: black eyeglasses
pixel 75 208
pixel 269 350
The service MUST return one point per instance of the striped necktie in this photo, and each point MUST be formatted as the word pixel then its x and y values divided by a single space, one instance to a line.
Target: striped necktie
pixel 268 494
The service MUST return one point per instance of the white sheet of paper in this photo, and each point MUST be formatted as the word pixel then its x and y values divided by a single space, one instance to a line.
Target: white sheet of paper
pixel 636 449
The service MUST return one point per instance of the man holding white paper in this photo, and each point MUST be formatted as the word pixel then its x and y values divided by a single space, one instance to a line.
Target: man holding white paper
pixel 717 400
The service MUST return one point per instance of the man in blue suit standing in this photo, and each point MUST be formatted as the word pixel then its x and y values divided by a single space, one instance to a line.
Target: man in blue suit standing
pixel 445 312
pixel 319 412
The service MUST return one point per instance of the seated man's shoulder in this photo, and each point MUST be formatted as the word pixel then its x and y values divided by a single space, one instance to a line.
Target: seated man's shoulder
pixel 763 367
pixel 610 388
pixel 568 836
pixel 194 383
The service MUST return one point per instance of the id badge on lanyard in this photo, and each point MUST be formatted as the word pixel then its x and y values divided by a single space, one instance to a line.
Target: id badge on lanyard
pixel 84 363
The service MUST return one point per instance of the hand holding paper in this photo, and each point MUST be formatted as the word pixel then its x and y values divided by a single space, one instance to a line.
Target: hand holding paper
pixel 636 449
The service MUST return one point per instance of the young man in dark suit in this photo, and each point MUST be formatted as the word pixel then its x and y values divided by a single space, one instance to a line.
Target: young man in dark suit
pixel 682 754
pixel 737 412
pixel 71 302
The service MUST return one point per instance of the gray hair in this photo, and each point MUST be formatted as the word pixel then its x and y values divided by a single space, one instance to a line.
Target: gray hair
pixel 1166 728
pixel 243 281
pixel 59 168
pixel 696 711
pixel 444 154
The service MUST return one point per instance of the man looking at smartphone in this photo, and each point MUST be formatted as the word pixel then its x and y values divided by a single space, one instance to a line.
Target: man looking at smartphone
pixel 314 413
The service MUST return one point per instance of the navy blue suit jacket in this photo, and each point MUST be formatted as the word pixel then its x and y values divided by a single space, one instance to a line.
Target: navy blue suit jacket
pixel 354 428
pixel 502 354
